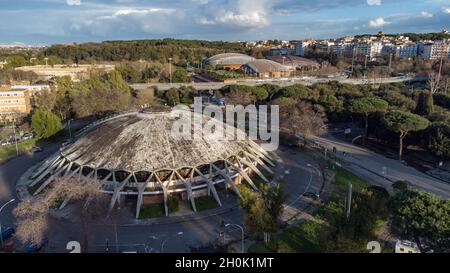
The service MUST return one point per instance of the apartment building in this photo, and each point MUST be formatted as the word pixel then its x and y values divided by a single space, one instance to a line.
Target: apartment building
pixel 302 46
pixel 401 51
pixel 13 103
pixel 434 50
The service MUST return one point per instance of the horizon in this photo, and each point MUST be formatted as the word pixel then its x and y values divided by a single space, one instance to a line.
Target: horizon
pixel 50 22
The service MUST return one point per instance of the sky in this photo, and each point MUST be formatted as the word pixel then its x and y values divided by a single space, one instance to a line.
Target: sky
pixel 64 21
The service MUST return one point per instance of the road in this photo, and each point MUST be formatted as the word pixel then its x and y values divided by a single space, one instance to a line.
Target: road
pixel 293 171
pixel 382 170
pixel 10 172
pixel 253 82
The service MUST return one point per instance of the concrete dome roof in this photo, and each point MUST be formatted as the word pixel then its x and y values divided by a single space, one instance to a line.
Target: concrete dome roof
pixel 143 142
pixel 229 59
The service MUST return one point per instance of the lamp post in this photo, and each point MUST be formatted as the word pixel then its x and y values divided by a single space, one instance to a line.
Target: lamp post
pixel 165 240
pixel 242 232
pixel 170 71
pixel 15 137
pixel 70 131
pixel 1 208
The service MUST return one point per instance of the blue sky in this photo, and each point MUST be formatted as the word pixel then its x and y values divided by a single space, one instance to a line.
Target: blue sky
pixel 63 21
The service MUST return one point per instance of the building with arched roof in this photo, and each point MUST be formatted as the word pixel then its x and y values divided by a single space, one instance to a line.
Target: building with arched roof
pixel 228 60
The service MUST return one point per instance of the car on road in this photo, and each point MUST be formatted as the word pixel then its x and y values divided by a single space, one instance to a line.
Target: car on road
pixel 37 150
pixel 33 248
pixel 312 195
pixel 7 233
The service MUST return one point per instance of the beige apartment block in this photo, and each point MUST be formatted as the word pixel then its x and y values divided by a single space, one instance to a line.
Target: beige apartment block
pixel 14 103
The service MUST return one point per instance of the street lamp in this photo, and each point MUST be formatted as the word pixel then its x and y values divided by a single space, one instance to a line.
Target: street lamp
pixel 15 137
pixel 242 231
pixel 70 131
pixel 1 208
pixel 165 240
pixel 170 71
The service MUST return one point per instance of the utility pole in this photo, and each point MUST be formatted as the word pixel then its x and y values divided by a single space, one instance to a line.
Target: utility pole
pixel 15 137
pixel 349 201
pixel 443 52
pixel 170 71
pixel 365 62
pixel 390 60
pixel 353 58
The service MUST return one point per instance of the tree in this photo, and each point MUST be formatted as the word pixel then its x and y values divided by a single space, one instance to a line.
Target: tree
pixel 263 208
pixel 400 185
pixel 172 96
pixel 367 106
pixel 33 214
pixel 45 123
pixel 271 90
pixel 423 217
pixel 14 61
pixel 180 75
pixel 439 143
pixel 301 118
pixel 403 123
pixel 425 104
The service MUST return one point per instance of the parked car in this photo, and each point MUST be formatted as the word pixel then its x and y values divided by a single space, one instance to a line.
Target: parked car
pixel 33 248
pixel 7 233
pixel 27 136
pixel 37 150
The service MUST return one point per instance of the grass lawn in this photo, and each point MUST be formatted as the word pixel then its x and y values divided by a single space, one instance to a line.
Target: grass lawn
pixel 342 179
pixel 10 150
pixel 206 203
pixel 151 211
pixel 298 239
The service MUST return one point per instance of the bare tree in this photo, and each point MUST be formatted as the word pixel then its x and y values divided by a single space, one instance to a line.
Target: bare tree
pixel 434 82
pixel 32 214
pixel 299 117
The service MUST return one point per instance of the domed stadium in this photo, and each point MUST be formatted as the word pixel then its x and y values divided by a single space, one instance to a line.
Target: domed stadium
pixel 135 154
pixel 229 60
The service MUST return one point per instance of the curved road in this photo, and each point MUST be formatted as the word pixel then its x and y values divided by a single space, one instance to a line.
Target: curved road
pixel 292 169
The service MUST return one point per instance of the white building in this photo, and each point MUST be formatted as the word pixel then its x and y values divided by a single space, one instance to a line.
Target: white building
pixel 401 51
pixel 341 49
pixel 301 47
pixel 371 49
pixel 434 51
pixel 33 87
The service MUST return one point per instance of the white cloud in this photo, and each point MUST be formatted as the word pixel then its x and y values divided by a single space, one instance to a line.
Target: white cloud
pixel 446 10
pixel 373 2
pixel 129 11
pixel 378 22
pixel 73 2
pixel 241 13
pixel 426 14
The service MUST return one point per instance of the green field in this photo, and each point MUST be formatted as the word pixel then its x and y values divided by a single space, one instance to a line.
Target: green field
pixel 9 151
pixel 302 238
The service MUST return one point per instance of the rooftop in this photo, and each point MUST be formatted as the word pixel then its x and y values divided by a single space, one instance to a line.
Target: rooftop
pixel 144 142
pixel 263 65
